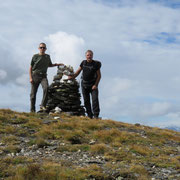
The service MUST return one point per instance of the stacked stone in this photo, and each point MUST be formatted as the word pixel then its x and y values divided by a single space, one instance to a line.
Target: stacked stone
pixel 65 93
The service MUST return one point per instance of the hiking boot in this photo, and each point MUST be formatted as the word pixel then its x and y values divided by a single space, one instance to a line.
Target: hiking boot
pixel 33 110
pixel 42 108
pixel 90 116
pixel 97 117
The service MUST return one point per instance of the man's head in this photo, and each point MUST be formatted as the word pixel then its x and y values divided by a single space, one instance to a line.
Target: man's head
pixel 89 55
pixel 42 48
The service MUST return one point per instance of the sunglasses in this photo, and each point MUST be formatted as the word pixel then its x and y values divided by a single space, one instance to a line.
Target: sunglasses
pixel 42 47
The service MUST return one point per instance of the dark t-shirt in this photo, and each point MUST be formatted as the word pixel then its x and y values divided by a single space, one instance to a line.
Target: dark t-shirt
pixel 40 63
pixel 90 70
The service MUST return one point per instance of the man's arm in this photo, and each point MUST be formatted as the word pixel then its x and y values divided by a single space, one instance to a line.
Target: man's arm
pixel 30 74
pixel 97 80
pixel 56 64
pixel 75 74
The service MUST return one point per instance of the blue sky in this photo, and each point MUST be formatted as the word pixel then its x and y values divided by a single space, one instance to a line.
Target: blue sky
pixel 137 41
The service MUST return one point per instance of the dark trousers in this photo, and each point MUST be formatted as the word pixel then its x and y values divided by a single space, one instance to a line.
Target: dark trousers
pixel 38 79
pixel 86 91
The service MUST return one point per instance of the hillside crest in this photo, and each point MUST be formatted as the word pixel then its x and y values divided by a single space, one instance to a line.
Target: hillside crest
pixel 60 146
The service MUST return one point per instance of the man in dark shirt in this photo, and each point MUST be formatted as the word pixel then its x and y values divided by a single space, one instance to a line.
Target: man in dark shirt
pixel 38 75
pixel 90 80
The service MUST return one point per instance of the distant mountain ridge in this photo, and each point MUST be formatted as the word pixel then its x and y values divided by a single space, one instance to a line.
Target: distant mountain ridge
pixel 174 128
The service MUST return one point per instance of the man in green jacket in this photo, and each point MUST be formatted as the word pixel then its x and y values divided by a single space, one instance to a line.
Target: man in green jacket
pixel 38 75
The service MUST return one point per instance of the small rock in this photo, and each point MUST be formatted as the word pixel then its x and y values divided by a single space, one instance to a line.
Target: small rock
pixel 52 148
pixel 58 110
pixel 166 171
pixel 39 152
pixel 92 142
pixel 97 157
pixel 26 154
pixel 56 117
pixel 178 148
pixel 119 178
pixel 49 121
pixel 1 144
pixel 22 150
pixel 144 137
pixel 84 155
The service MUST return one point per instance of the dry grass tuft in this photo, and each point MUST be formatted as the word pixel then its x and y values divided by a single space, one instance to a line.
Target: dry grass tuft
pixel 99 149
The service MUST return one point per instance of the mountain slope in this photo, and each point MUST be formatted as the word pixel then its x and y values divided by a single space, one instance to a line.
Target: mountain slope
pixel 41 146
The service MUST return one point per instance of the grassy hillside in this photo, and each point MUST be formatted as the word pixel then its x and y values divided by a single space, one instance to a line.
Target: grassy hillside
pixel 58 147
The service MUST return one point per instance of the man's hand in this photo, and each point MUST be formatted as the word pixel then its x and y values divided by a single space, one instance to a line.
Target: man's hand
pixel 94 87
pixel 31 80
pixel 70 77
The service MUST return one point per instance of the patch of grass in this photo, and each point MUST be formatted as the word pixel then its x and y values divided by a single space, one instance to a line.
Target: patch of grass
pixel 3 119
pixel 16 160
pixel 20 120
pixel 119 155
pixel 12 149
pixel 10 139
pixel 46 132
pixel 142 150
pixel 31 142
pixel 107 136
pixel 22 133
pixel 67 125
pixel 165 161
pixel 41 142
pixel 123 138
pixel 139 169
pixel 33 122
pixel 94 125
pixel 99 149
pixel 169 135
pixel 76 137
pixel 31 171
pixel 10 130
pixel 53 171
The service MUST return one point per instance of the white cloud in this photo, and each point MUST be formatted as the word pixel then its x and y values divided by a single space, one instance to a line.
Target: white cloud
pixel 113 90
pixel 3 74
pixel 140 68
pixel 155 109
pixel 66 48
pixel 23 80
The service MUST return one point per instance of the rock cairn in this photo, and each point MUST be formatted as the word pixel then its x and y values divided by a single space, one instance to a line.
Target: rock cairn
pixel 64 93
